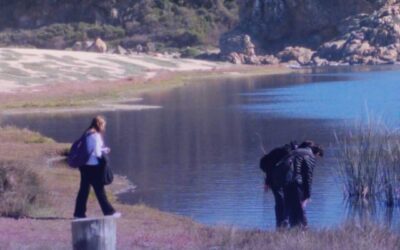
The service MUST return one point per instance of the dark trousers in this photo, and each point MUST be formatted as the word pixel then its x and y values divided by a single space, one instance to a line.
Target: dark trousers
pixel 92 176
pixel 280 211
pixel 293 203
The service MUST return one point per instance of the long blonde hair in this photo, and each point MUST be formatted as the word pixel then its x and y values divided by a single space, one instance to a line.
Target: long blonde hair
pixel 98 122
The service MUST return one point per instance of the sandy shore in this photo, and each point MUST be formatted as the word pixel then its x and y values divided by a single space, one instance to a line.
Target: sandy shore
pixel 33 80
pixel 21 68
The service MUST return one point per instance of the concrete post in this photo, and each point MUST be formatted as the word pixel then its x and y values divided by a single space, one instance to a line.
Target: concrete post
pixel 94 233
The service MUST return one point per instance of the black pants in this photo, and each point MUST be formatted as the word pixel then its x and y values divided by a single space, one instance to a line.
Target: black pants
pixel 293 203
pixel 91 176
pixel 280 211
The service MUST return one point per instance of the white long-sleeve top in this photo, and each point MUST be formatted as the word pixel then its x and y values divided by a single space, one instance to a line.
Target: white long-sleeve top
pixel 95 146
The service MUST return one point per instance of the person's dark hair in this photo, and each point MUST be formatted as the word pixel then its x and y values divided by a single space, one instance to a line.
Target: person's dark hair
pixel 97 122
pixel 316 149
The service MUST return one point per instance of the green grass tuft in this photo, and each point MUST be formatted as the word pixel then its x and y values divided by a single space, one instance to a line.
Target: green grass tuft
pixel 368 158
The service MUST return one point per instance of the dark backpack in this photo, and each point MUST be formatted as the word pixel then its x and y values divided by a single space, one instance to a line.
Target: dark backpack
pixel 269 164
pixel 284 170
pixel 78 154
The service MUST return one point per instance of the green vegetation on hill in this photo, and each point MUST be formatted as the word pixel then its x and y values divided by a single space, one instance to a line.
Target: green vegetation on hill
pixel 167 23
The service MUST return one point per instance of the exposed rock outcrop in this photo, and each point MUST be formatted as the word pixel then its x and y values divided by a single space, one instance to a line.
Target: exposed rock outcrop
pixel 366 39
pixel 98 46
pixel 280 22
pixel 238 49
pixel 301 55
pixel 120 50
pixel 93 46
pixel 321 32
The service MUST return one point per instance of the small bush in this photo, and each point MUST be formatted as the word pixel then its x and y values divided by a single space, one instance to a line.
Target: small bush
pixel 188 38
pixel 36 138
pixel 20 189
pixel 190 52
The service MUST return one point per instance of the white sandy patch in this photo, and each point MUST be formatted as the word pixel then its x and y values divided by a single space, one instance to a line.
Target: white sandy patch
pixel 8 86
pixel 150 75
pixel 136 60
pixel 29 67
pixel 83 110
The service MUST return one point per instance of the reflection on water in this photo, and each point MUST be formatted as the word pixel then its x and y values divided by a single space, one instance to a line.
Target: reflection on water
pixel 198 155
pixel 372 211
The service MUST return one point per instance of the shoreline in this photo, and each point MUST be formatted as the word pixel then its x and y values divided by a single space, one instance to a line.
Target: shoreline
pixel 140 227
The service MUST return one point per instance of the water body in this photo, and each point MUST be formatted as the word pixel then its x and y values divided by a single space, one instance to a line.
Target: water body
pixel 198 155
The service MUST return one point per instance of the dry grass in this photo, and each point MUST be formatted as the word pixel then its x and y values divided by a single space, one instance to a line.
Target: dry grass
pixel 21 190
pixel 21 184
pixel 349 236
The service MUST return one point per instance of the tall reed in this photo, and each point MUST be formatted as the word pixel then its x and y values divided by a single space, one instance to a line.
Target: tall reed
pixel 369 162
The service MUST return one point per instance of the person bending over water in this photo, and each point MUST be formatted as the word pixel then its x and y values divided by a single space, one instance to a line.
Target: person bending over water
pixel 289 172
pixel 267 165
pixel 297 189
pixel 92 172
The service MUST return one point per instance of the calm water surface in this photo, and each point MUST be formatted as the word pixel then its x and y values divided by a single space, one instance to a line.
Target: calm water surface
pixel 198 155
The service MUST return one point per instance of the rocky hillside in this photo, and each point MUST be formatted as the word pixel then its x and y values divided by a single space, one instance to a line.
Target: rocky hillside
pixel 315 32
pixel 170 23
pixel 280 22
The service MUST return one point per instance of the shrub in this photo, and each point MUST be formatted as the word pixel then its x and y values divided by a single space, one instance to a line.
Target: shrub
pixel 369 162
pixel 159 20
pixel 107 32
pixel 188 38
pixel 20 189
pixel 190 52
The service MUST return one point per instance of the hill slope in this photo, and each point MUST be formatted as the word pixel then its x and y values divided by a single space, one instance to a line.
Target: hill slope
pixel 59 23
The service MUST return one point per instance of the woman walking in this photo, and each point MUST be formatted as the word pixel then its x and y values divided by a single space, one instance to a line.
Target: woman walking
pixel 92 173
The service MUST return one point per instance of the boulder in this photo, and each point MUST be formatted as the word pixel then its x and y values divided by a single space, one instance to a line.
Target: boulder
pixel 234 58
pixel 268 59
pixel 301 55
pixel 87 44
pixel 249 48
pixel 78 46
pixel 98 46
pixel 317 61
pixel 120 50
pixel 352 47
pixel 371 60
pixel 238 49
pixel 365 49
pixel 331 50
pixel 251 60
pixel 237 43
pixel 388 55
